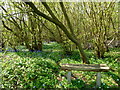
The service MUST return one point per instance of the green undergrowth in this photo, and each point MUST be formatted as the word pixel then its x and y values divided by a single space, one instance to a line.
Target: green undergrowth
pixel 41 69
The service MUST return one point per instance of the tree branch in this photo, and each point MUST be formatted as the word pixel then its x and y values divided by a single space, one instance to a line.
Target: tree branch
pixel 49 10
pixel 6 26
pixel 55 21
pixel 66 17
pixel 35 10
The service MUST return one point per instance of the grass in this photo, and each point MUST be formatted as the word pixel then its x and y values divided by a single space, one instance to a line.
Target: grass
pixel 53 52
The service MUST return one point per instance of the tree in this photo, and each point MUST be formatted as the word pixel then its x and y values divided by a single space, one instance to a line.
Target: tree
pixel 99 19
pixel 70 34
pixel 24 27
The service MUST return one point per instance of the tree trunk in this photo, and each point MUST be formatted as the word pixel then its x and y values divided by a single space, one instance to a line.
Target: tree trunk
pixel 82 53
pixel 40 45
pixel 100 53
pixel 3 46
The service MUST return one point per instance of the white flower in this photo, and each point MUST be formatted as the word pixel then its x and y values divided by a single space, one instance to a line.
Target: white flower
pixel 103 83
pixel 117 79
pixel 43 84
pixel 34 86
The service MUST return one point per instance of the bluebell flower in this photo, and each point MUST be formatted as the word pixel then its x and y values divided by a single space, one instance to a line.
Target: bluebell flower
pixel 60 84
pixel 39 51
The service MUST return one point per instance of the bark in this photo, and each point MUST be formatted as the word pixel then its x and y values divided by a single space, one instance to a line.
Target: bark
pixel 39 44
pixel 67 18
pixel 3 46
pixel 83 55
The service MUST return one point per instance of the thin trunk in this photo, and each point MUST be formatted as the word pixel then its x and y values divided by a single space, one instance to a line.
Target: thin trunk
pixel 40 36
pixel 3 46
pixel 40 45
pixel 82 53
